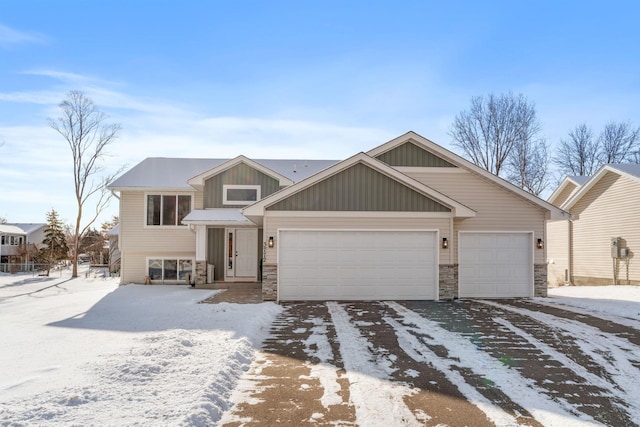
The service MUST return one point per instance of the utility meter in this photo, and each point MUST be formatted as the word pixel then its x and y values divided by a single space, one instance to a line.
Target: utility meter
pixel 615 247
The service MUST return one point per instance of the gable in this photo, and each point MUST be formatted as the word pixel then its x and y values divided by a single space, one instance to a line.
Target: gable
pixel 359 188
pixel 410 155
pixel 240 174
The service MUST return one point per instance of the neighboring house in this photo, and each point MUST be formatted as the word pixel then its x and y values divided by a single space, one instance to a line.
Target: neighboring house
pixel 114 250
pixel 603 207
pixel 406 220
pixel 17 242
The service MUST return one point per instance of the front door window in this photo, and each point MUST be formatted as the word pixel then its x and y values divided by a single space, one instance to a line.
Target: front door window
pixel 242 253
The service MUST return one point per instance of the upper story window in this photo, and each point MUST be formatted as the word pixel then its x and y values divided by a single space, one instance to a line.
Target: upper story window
pixel 11 240
pixel 165 209
pixel 240 194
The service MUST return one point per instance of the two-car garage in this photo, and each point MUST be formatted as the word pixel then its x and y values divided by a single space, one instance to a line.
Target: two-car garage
pixel 399 264
pixel 357 264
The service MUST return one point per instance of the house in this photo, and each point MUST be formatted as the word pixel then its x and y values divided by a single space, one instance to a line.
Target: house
pixel 18 243
pixel 604 210
pixel 406 220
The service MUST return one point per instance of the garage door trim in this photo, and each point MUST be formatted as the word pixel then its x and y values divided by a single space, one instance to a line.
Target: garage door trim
pixel 436 247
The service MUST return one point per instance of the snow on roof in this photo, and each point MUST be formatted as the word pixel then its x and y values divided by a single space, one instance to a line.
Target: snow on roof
pixel 11 229
pixel 115 231
pixel 580 179
pixel 630 168
pixel 29 227
pixel 164 172
pixel 225 215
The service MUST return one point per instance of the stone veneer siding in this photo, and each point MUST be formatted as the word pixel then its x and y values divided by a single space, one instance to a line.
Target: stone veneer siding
pixel 201 273
pixel 269 282
pixel 448 281
pixel 540 284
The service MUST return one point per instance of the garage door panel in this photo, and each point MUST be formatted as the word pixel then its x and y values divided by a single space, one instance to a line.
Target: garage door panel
pixel 357 265
pixel 495 265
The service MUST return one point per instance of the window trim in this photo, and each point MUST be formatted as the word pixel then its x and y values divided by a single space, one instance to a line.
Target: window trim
pixel 226 201
pixel 164 194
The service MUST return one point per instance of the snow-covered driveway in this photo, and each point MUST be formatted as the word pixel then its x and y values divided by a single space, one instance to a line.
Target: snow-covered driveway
pixel 506 363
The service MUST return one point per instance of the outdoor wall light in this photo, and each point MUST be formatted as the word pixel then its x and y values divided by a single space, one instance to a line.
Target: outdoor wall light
pixel 445 243
pixel 540 244
pixel 270 241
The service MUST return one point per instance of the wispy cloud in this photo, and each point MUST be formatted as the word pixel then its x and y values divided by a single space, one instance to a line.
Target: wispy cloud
pixel 11 37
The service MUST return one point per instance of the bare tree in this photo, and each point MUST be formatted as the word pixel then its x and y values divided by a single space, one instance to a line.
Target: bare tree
pixel 528 166
pixel 579 154
pixel 88 134
pixel 619 142
pixel 492 127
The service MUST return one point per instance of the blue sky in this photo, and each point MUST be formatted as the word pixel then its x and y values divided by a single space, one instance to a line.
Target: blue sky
pixel 296 79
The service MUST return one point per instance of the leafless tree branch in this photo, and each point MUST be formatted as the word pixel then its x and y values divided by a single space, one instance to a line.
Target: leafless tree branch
pixel 88 135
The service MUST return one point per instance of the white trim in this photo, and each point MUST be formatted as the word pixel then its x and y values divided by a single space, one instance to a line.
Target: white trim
pixel 531 246
pixel 565 182
pixel 234 277
pixel 226 187
pixel 427 230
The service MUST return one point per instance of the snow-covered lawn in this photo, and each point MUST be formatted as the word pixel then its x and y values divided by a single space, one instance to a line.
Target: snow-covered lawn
pixel 85 351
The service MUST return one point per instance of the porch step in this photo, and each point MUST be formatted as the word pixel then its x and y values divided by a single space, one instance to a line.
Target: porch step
pixel 231 285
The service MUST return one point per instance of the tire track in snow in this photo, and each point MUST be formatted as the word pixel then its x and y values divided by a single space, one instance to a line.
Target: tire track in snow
pixel 378 402
pixel 523 391
pixel 616 356
pixel 429 394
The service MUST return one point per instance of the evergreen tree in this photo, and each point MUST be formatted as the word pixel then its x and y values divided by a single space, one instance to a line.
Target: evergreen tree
pixel 56 243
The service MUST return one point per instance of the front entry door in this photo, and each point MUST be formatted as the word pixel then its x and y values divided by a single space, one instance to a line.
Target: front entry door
pixel 242 253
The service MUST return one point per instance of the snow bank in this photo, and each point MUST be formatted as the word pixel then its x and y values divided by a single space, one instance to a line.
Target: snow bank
pixel 86 351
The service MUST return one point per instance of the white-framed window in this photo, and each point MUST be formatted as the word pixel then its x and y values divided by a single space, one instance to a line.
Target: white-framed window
pixel 162 269
pixel 11 240
pixel 240 194
pixel 167 209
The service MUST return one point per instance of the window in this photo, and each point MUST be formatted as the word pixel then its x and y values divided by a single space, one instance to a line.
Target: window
pixel 240 194
pixel 170 269
pixel 167 209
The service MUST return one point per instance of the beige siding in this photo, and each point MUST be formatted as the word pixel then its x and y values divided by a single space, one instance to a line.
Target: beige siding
pixel 137 240
pixel 565 194
pixel 497 209
pixel 609 209
pixel 273 222
pixel 557 251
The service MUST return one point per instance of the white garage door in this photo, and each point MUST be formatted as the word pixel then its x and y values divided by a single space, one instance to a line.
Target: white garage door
pixel 495 265
pixel 357 265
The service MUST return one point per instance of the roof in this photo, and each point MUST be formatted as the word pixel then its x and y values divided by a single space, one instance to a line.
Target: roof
pixel 115 231
pixel 29 227
pixel 575 181
pixel 629 168
pixel 579 179
pixel 174 173
pixel 11 229
pixel 631 171
pixel 216 216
